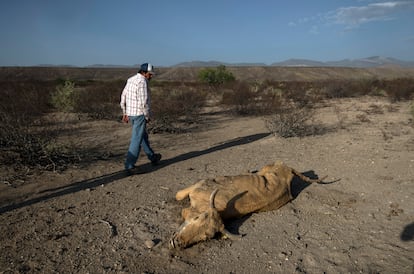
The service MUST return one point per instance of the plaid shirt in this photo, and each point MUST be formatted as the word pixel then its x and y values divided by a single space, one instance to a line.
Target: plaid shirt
pixel 135 98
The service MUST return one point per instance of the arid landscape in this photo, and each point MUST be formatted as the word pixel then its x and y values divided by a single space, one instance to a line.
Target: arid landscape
pixel 95 218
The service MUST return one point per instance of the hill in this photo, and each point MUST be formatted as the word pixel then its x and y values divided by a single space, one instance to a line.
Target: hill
pixel 369 62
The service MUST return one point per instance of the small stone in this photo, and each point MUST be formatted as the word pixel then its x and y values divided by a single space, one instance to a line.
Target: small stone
pixel 149 244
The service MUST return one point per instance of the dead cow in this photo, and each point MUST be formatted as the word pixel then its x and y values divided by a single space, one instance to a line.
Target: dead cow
pixel 227 197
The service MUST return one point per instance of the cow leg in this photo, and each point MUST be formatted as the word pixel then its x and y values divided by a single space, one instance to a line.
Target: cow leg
pixel 182 194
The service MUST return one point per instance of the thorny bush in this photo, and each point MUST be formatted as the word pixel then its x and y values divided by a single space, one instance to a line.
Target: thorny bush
pixel 293 120
pixel 175 109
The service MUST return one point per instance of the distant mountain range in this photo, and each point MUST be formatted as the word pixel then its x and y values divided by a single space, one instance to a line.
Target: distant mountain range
pixel 374 61
pixel 369 62
pixel 217 63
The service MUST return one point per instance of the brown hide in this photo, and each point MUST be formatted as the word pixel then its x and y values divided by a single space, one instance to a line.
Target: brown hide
pixel 243 194
pixel 214 200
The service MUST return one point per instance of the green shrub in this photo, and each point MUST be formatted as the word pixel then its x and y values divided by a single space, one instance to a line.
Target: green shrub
pixel 63 99
pixel 215 76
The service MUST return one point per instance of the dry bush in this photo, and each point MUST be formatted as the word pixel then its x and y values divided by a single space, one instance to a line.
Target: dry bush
pixel 252 99
pixel 302 93
pixel 308 93
pixel 268 102
pixel 268 97
pixel 175 108
pixel 28 134
pixel 25 97
pixel 99 100
pixel 348 88
pixel 293 120
pixel 395 89
pixel 399 89
pixel 22 106
pixel 305 94
pixel 241 97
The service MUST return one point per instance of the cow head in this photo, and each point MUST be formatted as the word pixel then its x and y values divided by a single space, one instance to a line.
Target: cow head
pixel 199 228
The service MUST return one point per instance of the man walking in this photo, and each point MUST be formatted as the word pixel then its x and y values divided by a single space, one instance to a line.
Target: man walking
pixel 136 104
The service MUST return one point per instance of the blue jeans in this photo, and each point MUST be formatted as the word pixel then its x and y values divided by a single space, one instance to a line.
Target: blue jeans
pixel 139 138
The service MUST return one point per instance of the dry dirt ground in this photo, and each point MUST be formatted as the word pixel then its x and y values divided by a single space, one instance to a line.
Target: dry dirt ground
pixel 96 219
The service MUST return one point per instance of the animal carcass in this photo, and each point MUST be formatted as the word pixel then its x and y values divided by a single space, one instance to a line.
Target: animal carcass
pixel 227 197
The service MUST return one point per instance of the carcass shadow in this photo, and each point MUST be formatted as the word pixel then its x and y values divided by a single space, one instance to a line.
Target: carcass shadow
pixel 408 233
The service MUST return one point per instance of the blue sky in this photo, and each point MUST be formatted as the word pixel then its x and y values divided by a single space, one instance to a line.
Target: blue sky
pixel 167 32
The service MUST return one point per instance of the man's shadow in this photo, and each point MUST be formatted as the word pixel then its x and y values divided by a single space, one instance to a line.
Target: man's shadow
pixel 115 176
pixel 231 143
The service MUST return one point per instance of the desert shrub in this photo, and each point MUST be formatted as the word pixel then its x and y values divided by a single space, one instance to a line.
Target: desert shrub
pixel 395 89
pixel 302 93
pixel 257 99
pixel 28 134
pixel 399 89
pixel 346 89
pixel 19 97
pixel 268 97
pixel 63 99
pixel 175 109
pixel 293 121
pixel 22 105
pixel 99 100
pixel 241 97
pixel 24 149
pixel 215 76
pixel 269 101
pixel 362 87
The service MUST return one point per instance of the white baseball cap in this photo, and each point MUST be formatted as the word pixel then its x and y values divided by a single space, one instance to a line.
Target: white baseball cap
pixel 147 67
